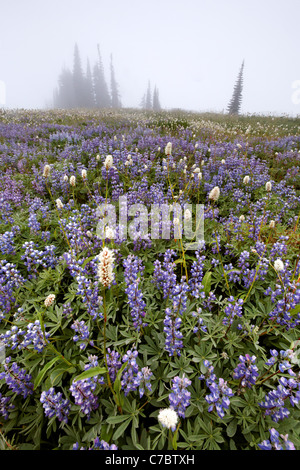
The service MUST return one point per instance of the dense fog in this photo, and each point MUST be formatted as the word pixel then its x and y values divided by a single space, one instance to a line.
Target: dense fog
pixel 184 54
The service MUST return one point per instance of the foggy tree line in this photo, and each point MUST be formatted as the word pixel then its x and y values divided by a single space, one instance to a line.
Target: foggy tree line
pixel 79 88
pixel 150 101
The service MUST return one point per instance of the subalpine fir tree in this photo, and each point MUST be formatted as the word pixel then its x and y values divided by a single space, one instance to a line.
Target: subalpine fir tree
pixel 148 103
pixel 102 97
pixel 143 101
pixel 235 102
pixel 156 103
pixel 64 95
pixel 89 89
pixel 115 97
pixel 78 80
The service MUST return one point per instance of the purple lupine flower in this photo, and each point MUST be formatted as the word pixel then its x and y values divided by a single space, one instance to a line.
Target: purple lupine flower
pixel 179 398
pixel 5 406
pixel 130 379
pixel 133 266
pixel 16 378
pixel 82 391
pixel 218 399
pixel 7 243
pixel 144 377
pixel 281 359
pixel 55 405
pixel 274 403
pixel 173 342
pixel 33 257
pixel 113 363
pixel 274 442
pixel 246 371
pixel 34 336
pixel 103 445
pixel 232 310
pixel 196 276
pixel 97 445
pixel 89 292
pixel 10 279
pixel 200 322
pixel 82 335
pixel 163 274
pixel 172 320
pixel 12 338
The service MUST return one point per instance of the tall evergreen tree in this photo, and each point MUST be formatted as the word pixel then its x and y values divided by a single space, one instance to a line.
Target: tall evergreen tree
pixel 64 96
pixel 78 80
pixel 235 102
pixel 115 97
pixel 102 97
pixel 156 103
pixel 89 88
pixel 143 101
pixel 148 104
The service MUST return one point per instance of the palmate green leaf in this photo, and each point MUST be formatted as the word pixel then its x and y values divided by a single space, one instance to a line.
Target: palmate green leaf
pixel 42 373
pixel 231 428
pixel 117 382
pixel 117 419
pixel 206 281
pixel 90 373
pixel 121 429
pixel 56 376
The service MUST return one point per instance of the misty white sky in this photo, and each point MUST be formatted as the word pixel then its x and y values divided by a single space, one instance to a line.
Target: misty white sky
pixel 190 49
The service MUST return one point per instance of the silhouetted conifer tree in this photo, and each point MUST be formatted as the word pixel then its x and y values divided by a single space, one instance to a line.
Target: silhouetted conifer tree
pixel 156 103
pixel 64 95
pixel 89 88
pixel 143 101
pixel 102 97
pixel 148 104
pixel 115 97
pixel 78 80
pixel 235 102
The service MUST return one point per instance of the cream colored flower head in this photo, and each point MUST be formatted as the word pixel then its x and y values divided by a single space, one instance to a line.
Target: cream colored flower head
pixel 272 224
pixel 168 148
pixel 109 233
pixel 105 267
pixel 49 300
pixel 214 193
pixel 46 171
pixel 168 418
pixel 278 265
pixel 59 204
pixel 108 162
pixel 268 186
pixel 187 214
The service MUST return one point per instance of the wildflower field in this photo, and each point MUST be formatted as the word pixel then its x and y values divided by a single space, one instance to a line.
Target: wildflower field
pixel 130 341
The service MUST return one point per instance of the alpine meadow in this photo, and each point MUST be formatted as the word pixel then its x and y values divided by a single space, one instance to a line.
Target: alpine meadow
pixel 149 279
